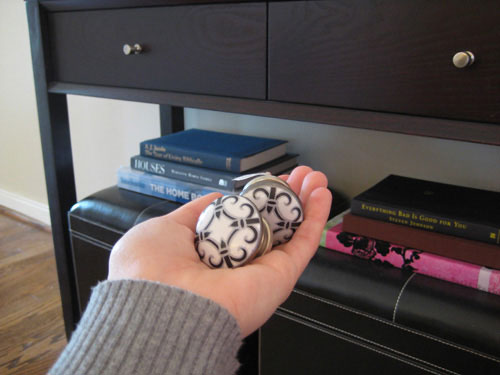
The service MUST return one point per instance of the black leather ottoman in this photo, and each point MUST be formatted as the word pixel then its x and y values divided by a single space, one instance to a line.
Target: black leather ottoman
pixel 351 316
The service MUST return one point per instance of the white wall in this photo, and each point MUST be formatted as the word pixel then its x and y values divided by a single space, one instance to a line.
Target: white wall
pixel 105 133
pixel 21 172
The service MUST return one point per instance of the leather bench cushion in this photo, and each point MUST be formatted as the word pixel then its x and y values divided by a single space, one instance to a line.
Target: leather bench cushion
pixel 417 317
pixel 107 214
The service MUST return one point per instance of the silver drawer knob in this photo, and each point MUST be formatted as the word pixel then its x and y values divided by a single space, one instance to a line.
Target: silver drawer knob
pixel 135 49
pixel 463 59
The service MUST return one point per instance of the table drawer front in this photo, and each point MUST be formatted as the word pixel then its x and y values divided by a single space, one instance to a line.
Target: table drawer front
pixel 392 55
pixel 213 49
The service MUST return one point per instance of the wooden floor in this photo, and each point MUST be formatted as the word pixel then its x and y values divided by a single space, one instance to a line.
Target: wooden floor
pixel 31 326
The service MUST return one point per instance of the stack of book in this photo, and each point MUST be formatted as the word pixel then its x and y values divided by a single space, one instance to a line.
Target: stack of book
pixel 439 230
pixel 186 165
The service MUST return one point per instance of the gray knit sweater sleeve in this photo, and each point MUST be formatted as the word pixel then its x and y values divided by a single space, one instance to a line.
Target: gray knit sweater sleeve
pixel 141 327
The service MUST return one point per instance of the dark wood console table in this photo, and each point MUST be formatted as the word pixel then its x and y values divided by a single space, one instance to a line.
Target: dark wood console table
pixel 384 65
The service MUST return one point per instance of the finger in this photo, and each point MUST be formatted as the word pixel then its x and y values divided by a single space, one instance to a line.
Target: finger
pixel 284 177
pixel 297 176
pixel 311 182
pixel 189 213
pixel 305 241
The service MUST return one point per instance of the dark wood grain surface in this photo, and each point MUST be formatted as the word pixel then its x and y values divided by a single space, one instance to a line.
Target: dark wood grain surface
pixel 391 122
pixel 390 56
pixel 65 5
pixel 31 324
pixel 171 119
pixel 57 160
pixel 210 49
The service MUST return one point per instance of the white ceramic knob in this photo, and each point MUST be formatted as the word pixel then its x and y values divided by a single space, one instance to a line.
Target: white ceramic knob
pixel 231 232
pixel 278 205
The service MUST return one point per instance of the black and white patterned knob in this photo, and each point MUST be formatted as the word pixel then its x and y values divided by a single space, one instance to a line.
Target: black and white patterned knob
pixel 231 232
pixel 278 205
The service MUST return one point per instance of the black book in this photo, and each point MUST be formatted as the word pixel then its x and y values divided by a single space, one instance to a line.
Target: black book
pixel 209 177
pixel 444 208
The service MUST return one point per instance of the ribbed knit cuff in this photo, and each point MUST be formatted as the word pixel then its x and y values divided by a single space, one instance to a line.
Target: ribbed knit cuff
pixel 141 327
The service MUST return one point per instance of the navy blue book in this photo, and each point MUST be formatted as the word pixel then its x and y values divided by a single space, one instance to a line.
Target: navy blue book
pixel 207 176
pixel 208 149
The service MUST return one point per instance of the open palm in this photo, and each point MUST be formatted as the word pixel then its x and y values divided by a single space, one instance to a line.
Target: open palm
pixel 162 250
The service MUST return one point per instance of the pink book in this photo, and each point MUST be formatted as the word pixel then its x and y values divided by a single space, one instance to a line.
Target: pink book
pixel 418 261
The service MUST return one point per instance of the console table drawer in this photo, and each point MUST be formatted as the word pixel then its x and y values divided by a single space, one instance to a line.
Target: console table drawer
pixel 212 49
pixel 393 56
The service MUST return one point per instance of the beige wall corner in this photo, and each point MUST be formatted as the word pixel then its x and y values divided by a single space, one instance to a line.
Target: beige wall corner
pixel 21 166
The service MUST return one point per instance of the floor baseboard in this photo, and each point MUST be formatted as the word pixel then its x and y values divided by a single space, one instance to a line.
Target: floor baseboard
pixel 27 207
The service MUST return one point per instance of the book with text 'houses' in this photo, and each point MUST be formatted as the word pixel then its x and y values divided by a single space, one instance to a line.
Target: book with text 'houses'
pixel 206 176
pixel 336 237
pixel 454 247
pixel 216 150
pixel 162 187
pixel 437 207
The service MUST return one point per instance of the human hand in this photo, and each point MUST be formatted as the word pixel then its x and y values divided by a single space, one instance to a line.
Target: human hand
pixel 162 249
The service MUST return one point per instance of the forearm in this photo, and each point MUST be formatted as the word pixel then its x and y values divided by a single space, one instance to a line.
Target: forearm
pixel 140 327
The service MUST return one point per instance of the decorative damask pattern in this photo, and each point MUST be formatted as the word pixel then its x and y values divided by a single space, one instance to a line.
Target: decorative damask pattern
pixel 228 232
pixel 279 206
pixel 377 250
